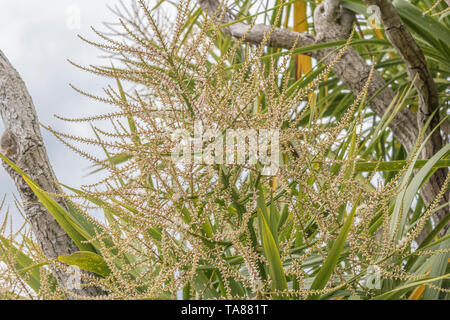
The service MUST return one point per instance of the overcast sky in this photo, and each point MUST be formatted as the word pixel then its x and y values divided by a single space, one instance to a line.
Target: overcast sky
pixel 38 37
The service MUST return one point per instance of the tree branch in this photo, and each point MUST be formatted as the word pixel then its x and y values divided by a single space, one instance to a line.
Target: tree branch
pixel 417 68
pixel 22 143
pixel 278 37
pixel 332 23
pixel 415 61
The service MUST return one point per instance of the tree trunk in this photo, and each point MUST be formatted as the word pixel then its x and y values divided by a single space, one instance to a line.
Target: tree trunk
pixel 22 143
pixel 417 68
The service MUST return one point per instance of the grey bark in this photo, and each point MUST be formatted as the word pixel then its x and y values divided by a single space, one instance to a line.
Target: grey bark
pixel 22 143
pixel 333 22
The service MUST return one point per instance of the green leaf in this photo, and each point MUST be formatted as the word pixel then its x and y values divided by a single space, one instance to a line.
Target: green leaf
pixel 88 261
pixel 327 269
pixel 106 240
pixel 273 256
pixel 283 217
pixel 439 267
pixel 425 26
pixel 405 288
pixel 27 269
pixel 61 216
pixel 131 123
pixel 405 198
pixel 114 160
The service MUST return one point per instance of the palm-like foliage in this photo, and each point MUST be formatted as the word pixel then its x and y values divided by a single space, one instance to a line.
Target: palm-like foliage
pixel 345 202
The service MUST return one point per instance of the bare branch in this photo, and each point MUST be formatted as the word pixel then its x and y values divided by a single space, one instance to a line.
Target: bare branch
pixel 278 37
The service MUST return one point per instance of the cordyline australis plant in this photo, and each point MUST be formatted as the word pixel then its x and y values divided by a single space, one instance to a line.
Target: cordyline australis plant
pixel 314 228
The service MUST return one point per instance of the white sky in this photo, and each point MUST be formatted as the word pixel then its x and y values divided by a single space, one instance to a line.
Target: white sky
pixel 35 37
